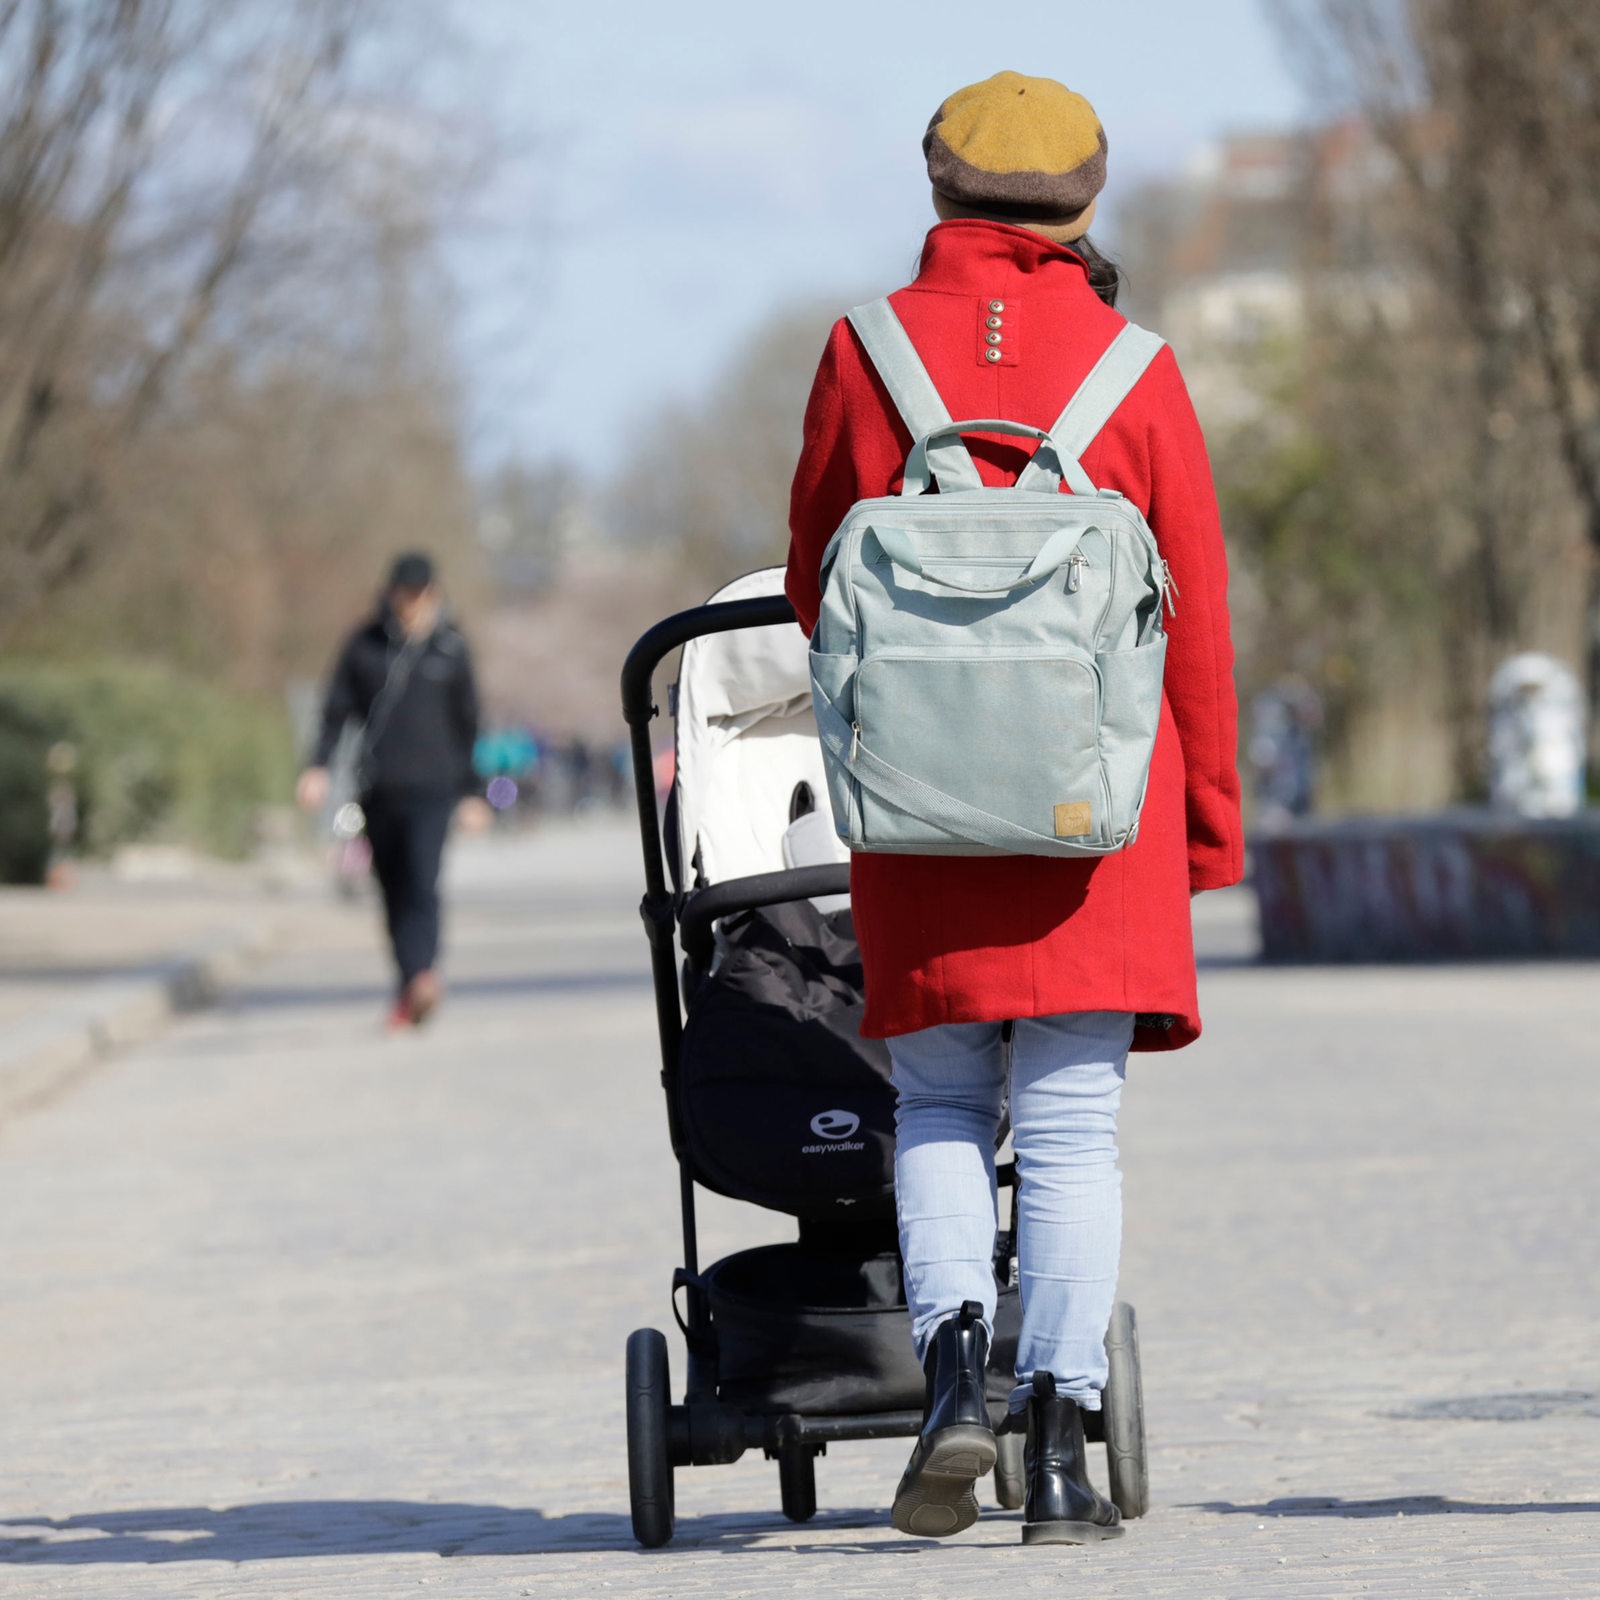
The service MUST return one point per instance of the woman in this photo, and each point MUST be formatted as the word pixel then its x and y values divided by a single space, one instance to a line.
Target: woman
pixel 1041 970
pixel 405 676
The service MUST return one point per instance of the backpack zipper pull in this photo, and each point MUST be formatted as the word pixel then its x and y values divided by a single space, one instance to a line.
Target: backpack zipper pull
pixel 855 741
pixel 1075 571
pixel 1169 589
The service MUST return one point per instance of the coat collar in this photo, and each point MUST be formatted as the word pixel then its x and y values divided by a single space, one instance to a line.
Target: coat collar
pixel 961 256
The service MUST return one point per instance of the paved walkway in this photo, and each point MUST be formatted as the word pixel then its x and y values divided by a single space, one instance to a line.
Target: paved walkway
pixel 88 970
pixel 293 1310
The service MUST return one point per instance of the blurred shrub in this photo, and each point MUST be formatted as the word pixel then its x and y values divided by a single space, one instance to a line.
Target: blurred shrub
pixel 160 755
pixel 24 806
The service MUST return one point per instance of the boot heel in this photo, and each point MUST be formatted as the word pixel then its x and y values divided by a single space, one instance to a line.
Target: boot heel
pixel 936 1496
pixel 1068 1532
pixel 965 1451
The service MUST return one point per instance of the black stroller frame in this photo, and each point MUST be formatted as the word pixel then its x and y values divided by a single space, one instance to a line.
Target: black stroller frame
pixel 705 1430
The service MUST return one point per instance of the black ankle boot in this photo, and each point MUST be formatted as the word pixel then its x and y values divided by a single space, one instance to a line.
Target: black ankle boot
pixel 956 1446
pixel 1062 1507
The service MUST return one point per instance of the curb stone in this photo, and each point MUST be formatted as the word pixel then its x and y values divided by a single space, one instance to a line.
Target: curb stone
pixel 44 1053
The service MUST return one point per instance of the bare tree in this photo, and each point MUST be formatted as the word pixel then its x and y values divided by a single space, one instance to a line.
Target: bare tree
pixel 259 505
pixel 1490 110
pixel 148 150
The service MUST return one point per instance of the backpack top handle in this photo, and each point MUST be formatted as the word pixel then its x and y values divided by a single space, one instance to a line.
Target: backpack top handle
pixel 1050 463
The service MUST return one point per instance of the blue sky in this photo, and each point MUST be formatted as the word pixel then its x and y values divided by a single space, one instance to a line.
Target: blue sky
pixel 677 173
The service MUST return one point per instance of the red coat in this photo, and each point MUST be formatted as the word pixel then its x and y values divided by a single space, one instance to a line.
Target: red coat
pixel 982 939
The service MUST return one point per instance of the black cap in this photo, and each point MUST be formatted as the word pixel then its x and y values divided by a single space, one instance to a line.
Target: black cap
pixel 411 571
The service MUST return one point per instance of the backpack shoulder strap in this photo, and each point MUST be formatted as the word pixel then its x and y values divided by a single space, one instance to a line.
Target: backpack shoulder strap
pixel 890 350
pixel 1110 382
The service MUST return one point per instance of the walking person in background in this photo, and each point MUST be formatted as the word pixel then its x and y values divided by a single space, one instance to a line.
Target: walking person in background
pixel 405 676
pixel 1026 979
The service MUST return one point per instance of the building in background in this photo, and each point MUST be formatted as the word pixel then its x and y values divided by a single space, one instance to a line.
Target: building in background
pixel 1225 257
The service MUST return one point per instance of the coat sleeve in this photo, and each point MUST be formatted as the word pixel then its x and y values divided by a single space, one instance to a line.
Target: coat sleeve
pixel 824 482
pixel 340 705
pixel 1199 674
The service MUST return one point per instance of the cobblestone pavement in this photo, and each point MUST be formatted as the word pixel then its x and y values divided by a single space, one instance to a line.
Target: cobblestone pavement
pixel 290 1309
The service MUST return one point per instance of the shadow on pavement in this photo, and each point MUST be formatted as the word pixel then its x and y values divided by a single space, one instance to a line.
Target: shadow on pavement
pixel 1417 1505
pixel 1525 1405
pixel 297 1529
pixel 278 996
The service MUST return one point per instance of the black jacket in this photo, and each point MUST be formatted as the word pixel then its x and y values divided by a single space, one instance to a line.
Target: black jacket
pixel 421 740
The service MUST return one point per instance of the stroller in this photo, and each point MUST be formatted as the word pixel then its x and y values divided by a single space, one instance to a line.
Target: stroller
pixel 774 1098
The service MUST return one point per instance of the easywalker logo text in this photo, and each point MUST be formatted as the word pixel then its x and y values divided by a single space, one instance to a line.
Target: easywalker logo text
pixel 836 1127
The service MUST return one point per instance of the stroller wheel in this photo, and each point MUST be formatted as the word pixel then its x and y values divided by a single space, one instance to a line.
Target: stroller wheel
pixel 1123 1420
pixel 797 1481
pixel 1010 1476
pixel 649 1467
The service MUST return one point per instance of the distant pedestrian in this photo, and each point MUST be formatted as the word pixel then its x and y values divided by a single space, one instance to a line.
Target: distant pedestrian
pixel 1019 983
pixel 405 676
pixel 1284 724
pixel 580 774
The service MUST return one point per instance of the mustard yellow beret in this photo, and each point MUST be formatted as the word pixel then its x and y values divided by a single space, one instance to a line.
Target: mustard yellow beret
pixel 1026 146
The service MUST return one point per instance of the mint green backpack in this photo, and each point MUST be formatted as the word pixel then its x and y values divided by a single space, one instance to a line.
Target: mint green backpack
pixel 986 669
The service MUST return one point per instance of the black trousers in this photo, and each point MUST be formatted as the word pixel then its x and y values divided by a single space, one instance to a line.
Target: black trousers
pixel 407 833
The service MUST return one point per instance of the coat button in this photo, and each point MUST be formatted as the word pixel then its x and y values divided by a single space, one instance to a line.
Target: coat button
pixel 992 355
pixel 997 305
pixel 993 338
pixel 994 322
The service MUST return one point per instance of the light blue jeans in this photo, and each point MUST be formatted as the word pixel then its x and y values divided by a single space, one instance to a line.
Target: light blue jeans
pixel 1066 1076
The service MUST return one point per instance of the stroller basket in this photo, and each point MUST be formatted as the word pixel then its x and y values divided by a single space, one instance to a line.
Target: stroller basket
pixel 826 1334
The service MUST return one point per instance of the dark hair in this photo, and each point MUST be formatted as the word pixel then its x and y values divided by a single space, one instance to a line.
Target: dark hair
pixel 1105 276
pixel 411 571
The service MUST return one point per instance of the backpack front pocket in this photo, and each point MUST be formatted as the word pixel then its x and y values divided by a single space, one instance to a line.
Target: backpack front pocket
pixel 1011 733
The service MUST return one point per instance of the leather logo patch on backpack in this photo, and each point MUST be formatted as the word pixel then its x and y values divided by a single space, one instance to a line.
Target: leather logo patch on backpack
pixel 1074 820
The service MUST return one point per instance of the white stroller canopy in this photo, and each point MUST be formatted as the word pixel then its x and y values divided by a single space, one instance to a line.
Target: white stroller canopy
pixel 746 737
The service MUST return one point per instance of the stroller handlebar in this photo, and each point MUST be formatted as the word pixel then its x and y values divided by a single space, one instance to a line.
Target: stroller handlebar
pixel 638 702
pixel 706 906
